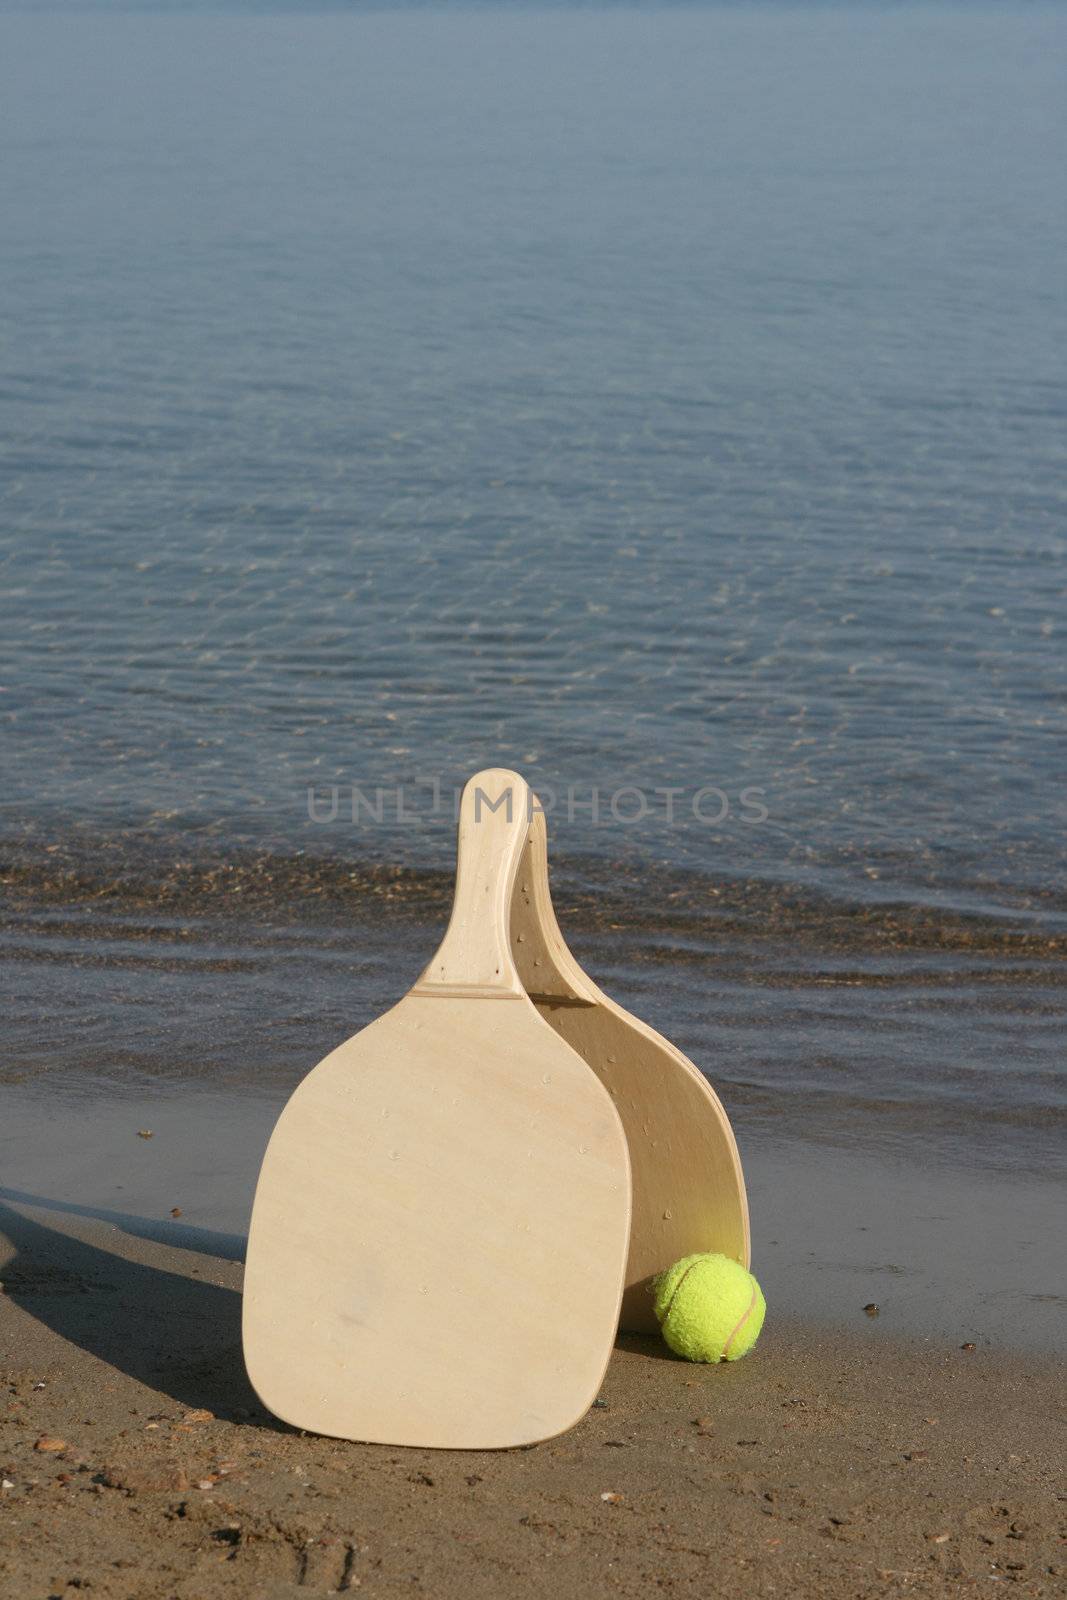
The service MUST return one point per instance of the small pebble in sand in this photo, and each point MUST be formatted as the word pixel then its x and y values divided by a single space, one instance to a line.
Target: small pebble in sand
pixel 201 1414
pixel 968 1347
pixel 175 1211
pixel 48 1442
pixel 6 1483
pixel 612 1497
pixel 39 1384
pixel 871 1309
pixel 144 1133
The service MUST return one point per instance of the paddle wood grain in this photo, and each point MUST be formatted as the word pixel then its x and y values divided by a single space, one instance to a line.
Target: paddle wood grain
pixel 440 1226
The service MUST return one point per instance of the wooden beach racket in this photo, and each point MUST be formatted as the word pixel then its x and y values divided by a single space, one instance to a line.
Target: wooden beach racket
pixel 441 1222
pixel 688 1187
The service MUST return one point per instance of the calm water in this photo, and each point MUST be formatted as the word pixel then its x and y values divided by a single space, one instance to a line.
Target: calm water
pixel 665 399
pixel 670 399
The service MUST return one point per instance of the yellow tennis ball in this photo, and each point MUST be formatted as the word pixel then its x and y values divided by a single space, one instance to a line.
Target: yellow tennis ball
pixel 709 1308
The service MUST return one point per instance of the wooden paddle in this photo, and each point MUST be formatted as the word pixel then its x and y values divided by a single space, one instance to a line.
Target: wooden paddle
pixel 688 1187
pixel 440 1227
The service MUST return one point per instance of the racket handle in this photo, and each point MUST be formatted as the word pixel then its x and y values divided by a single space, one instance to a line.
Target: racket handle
pixel 545 965
pixel 474 957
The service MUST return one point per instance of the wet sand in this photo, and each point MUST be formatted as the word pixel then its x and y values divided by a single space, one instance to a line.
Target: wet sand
pixel 138 1465
pixel 946 1251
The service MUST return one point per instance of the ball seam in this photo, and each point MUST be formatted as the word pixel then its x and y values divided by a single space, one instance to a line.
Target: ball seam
pixel 744 1318
pixel 674 1292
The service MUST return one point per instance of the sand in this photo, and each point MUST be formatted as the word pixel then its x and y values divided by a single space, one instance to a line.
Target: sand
pixel 137 1464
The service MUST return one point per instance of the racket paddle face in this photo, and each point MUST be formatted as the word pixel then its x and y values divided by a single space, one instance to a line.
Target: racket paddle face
pixel 441 1222
pixel 688 1186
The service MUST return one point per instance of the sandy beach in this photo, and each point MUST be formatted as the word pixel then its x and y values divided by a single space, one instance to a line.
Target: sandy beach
pixel 137 1464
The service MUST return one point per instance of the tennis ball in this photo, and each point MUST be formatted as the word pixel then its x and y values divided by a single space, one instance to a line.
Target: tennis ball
pixel 709 1308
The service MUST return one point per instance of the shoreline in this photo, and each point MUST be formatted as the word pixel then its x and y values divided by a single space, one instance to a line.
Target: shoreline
pixel 947 1253
pixel 807 1468
pixel 850 1032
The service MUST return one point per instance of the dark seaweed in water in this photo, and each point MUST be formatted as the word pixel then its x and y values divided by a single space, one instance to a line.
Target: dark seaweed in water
pixel 131 872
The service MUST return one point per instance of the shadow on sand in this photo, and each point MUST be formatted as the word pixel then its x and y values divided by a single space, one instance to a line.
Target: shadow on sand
pixel 168 1330
pixel 174 1333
